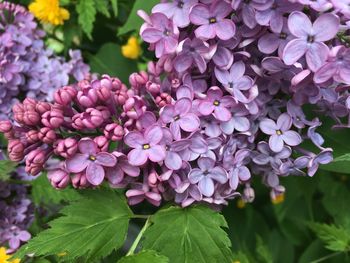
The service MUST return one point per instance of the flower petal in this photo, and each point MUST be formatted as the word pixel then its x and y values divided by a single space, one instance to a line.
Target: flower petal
pixel 291 138
pixel 183 106
pixel 218 174
pixel 276 143
pixel 153 134
pixel 205 163
pixel 317 55
pixel 299 24
pixel 77 163
pixel 206 186
pixel 156 153
pixel 268 126
pixel 134 139
pixel 106 159
pixel 195 176
pixel 294 50
pixel 137 157
pixel 87 146
pixel 190 122
pixel 173 161
pixel 326 27
pixel 95 173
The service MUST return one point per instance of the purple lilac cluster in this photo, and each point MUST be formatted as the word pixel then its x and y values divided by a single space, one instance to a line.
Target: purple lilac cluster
pixel 16 213
pixel 223 102
pixel 26 65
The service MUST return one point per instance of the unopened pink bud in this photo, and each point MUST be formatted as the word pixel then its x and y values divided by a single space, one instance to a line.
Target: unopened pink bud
pixel 32 136
pixel 47 135
pixel 153 88
pixel 58 178
pixel 163 99
pixel 102 143
pixel 92 118
pixel 18 112
pixel 65 95
pixel 31 118
pixel 114 132
pixel 15 150
pixel 137 80
pixel 66 147
pixel 104 93
pixel 87 97
pixel 5 126
pixel 42 107
pixel 52 119
pixel 79 181
pixel 29 104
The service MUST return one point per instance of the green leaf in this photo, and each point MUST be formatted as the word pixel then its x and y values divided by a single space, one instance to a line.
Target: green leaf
pixel 6 167
pixel 102 7
pixel 86 15
pixel 114 4
pixel 109 60
pixel 192 235
pixel 262 250
pixel 341 164
pixel 336 238
pixel 44 193
pixel 134 22
pixel 92 227
pixel 145 256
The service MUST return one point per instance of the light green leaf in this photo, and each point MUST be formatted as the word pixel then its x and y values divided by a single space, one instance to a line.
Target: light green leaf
pixel 134 22
pixel 102 7
pixel 192 235
pixel 86 15
pixel 146 256
pixel 44 193
pixel 114 4
pixel 109 60
pixel 341 164
pixel 6 167
pixel 336 238
pixel 92 227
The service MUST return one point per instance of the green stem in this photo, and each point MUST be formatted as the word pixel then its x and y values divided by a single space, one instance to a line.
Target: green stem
pixel 138 238
pixel 327 257
pixel 141 216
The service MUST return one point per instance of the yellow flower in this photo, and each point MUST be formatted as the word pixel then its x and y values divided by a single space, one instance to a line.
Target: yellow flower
pixel 278 199
pixel 4 258
pixel 49 11
pixel 132 48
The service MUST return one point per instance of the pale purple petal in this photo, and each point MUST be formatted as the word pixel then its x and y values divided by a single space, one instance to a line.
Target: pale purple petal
pixel 294 50
pixel 106 159
pixel 206 186
pixel 77 163
pixel 299 24
pixel 291 138
pixel 284 122
pixel 326 27
pixel 276 143
pixel 87 146
pixel 268 126
pixel 137 157
pixel 183 106
pixel 218 174
pixel 190 122
pixel 134 139
pixel 195 176
pixel 156 153
pixel 317 55
pixel 173 161
pixel 95 173
pixel 153 134
pixel 206 164
pixel 225 29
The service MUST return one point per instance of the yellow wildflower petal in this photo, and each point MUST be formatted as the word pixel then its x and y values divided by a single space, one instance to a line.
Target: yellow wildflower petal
pixel 49 11
pixel 132 48
pixel 4 258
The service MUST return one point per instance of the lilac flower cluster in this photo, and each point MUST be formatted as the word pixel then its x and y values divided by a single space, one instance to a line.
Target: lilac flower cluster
pixel 16 213
pixel 26 65
pixel 223 102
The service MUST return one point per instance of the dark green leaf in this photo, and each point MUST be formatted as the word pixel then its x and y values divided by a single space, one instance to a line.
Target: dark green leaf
pixel 86 15
pixel 147 256
pixel 6 167
pixel 44 193
pixel 91 227
pixel 192 235
pixel 134 22
pixel 262 250
pixel 341 164
pixel 335 237
pixel 109 60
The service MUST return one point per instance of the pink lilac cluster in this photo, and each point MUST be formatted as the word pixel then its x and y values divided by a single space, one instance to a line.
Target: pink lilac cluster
pixel 223 102
pixel 26 65
pixel 16 212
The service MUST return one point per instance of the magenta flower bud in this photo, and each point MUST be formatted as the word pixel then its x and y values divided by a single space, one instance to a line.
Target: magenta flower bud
pixel 154 69
pixel 117 84
pixel 42 107
pixel 138 80
pixel 77 121
pixel 153 88
pixel 102 143
pixel 121 95
pixel 79 181
pixel 5 126
pixel 66 147
pixel 106 114
pixel 163 99
pixel 65 95
pixel 114 132
pixel 35 161
pixel 31 118
pixel 32 136
pixel 52 119
pixel 104 93
pixel 106 82
pixel 18 112
pixel 15 150
pixel 47 135
pixel 29 104
pixel 58 178
pixel 92 118
pixel 87 97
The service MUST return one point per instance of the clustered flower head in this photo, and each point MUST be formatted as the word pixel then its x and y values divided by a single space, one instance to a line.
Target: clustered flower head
pixel 223 104
pixel 49 11
pixel 17 212
pixel 26 65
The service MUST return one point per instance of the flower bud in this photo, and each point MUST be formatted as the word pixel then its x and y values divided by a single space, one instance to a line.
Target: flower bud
pixel 79 181
pixel 32 136
pixel 18 112
pixel 153 88
pixel 138 80
pixel 66 147
pixel 5 126
pixel 102 143
pixel 114 132
pixel 92 118
pixel 163 99
pixel 31 118
pixel 47 135
pixel 65 95
pixel 58 178
pixel 42 107
pixel 15 150
pixel 52 119
pixel 87 97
